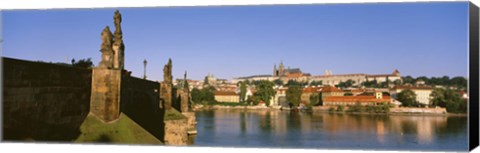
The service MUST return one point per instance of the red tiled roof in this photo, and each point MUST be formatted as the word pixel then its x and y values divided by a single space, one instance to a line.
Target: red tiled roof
pixel 356 99
pixel 330 89
pixel 310 90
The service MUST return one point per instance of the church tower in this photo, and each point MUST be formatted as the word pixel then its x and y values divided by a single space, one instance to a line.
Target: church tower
pixel 281 69
pixel 396 73
pixel 275 72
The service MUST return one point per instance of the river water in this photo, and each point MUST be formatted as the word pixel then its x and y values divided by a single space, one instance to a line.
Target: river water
pixel 283 129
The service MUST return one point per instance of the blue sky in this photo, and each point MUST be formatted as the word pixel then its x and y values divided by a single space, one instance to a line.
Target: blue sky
pixel 418 39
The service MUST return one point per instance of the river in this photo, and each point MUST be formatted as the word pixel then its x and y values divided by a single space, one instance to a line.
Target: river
pixel 283 129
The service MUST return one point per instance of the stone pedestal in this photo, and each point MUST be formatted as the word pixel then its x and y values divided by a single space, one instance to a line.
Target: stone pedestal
pixel 176 132
pixel 191 122
pixel 166 95
pixel 105 96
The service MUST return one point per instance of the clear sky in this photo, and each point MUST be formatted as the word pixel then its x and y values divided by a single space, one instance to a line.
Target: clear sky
pixel 418 39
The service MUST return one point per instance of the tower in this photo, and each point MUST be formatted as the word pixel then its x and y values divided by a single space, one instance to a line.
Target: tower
pixel 275 73
pixel 281 69
pixel 396 73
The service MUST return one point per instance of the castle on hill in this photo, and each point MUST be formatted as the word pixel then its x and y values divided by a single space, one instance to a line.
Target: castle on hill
pixel 296 74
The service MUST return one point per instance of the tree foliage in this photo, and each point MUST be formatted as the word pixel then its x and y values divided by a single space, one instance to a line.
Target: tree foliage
pixel 265 91
pixel 314 99
pixel 408 80
pixel 316 83
pixel 457 82
pixel 243 91
pixel 408 98
pixel 346 84
pixel 278 82
pixel 83 63
pixel 205 95
pixel 449 99
pixel 371 84
pixel 294 94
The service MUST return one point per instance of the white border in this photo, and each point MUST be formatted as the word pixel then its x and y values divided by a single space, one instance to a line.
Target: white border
pixel 50 4
pixel 57 4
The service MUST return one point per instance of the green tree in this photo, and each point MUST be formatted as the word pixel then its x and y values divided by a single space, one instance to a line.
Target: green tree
pixel 423 78
pixel 205 95
pixel 316 83
pixel 408 80
pixel 340 108
pixel 243 91
pixel 459 82
pixel 252 100
pixel 454 102
pixel 371 84
pixel 438 97
pixel 408 98
pixel 397 82
pixel 84 63
pixel 265 91
pixel 449 99
pixel 314 99
pixel 278 82
pixel 294 94
pixel 293 83
pixel 209 94
pixel 346 84
pixel 197 95
pixel 320 100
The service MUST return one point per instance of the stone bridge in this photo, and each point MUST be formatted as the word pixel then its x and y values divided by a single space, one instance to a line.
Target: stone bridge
pixel 53 102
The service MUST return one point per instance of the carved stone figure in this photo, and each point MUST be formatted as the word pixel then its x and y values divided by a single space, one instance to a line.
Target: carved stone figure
pixel 106 48
pixel 118 46
pixel 167 72
pixel 117 19
pixel 166 85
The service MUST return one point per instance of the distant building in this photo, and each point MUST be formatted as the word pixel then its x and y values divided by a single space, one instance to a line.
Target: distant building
pixel 384 77
pixel 280 97
pixel 422 92
pixel 254 78
pixel 282 73
pixel 332 80
pixel 227 87
pixel 328 91
pixel 377 99
pixel 308 92
pixel 329 79
pixel 227 96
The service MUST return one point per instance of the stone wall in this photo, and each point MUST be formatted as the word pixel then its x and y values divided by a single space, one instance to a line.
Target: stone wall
pixel 49 102
pixel 191 122
pixel 176 132
pixel 140 101
pixel 43 101
pixel 408 110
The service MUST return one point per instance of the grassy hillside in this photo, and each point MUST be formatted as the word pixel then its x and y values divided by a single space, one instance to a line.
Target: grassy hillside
pixel 122 131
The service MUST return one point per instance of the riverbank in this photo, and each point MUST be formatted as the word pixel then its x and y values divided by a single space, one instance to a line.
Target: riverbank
pixel 391 111
pixel 219 107
pixel 327 109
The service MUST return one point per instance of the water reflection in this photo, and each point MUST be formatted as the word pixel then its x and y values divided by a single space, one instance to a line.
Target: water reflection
pixel 324 130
